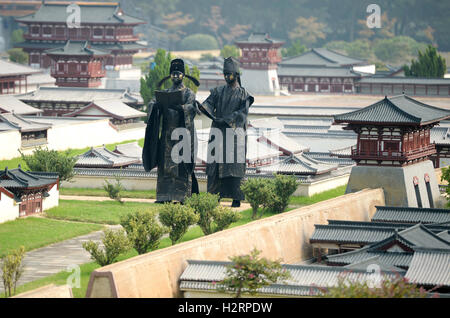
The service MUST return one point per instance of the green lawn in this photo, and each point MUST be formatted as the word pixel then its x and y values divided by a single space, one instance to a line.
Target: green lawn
pixel 14 162
pixel 86 269
pixel 333 193
pixel 138 194
pixel 106 212
pixel 34 232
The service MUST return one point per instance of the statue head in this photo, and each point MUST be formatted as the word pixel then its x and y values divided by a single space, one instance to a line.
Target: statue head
pixel 177 71
pixel 231 70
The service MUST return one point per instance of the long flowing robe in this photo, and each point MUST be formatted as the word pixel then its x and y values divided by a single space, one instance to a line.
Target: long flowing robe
pixel 230 104
pixel 176 181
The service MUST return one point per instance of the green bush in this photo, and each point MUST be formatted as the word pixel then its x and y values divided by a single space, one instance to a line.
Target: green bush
pixel 12 270
pixel 257 191
pixel 178 218
pixel 115 243
pixel 282 187
pixel 224 217
pixel 114 190
pixel 143 230
pixel 204 204
pixel 199 41
pixel 51 161
pixel 18 56
pixel 248 273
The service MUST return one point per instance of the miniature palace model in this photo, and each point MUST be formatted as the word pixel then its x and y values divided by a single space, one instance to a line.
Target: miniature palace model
pixel 393 149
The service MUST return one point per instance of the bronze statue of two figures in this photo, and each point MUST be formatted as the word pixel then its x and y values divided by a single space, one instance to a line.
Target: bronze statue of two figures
pixel 170 138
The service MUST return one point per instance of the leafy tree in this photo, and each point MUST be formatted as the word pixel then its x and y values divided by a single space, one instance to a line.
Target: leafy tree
pixel 143 230
pixel 282 187
pixel 256 191
pixel 159 69
pixel 199 42
pixel 207 57
pixel 17 36
pixel 224 217
pixel 46 160
pixel 230 50
pixel 18 56
pixel 295 49
pixel 178 218
pixel 397 49
pixel 248 273
pixel 308 30
pixel 114 190
pixel 175 23
pixel 115 243
pixel 428 64
pixel 12 270
pixel 395 288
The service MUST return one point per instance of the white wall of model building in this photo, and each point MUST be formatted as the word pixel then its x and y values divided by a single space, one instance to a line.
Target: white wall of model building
pixel 74 135
pixel 9 208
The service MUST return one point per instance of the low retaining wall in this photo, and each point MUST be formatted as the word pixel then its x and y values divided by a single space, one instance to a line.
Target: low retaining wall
pixel 284 236
pixel 146 183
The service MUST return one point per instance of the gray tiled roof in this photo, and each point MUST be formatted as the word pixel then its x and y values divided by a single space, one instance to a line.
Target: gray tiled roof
pixel 445 235
pixel 90 13
pixel 298 164
pixel 325 157
pixel 81 95
pixel 11 104
pixel 305 279
pixel 321 57
pixel 411 215
pixel 9 121
pixel 430 267
pixel 113 107
pixel 131 149
pixel 10 68
pixel 404 80
pixel 103 47
pixel 397 259
pixel 398 110
pixel 316 71
pixel 363 233
pixel 440 135
pixel 17 178
pixel 76 48
pixel 102 157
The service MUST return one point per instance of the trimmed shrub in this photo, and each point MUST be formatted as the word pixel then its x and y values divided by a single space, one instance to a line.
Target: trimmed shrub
pixel 204 204
pixel 143 230
pixel 257 191
pixel 282 187
pixel 114 190
pixel 224 217
pixel 178 218
pixel 115 242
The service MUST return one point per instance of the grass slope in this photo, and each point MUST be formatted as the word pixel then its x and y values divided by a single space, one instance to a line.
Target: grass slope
pixel 35 232
pixel 137 194
pixel 105 212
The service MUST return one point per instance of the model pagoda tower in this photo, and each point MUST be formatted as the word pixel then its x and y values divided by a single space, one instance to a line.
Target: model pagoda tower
pixel 393 148
pixel 259 62
pixel 104 25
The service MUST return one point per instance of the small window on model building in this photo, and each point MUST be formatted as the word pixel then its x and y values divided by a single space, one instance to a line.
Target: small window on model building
pixel 430 195
pixel 416 189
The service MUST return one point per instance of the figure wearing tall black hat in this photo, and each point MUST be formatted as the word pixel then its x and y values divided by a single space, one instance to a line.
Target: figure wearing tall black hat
pixel 228 106
pixel 176 179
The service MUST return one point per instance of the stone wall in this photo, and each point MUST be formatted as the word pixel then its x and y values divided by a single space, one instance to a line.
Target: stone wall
pixel 284 236
pixel 49 291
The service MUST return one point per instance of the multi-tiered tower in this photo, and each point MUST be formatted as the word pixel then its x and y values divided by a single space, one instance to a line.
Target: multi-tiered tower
pixel 104 25
pixel 393 148
pixel 260 56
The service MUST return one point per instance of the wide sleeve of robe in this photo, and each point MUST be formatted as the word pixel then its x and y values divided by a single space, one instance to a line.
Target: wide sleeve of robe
pixel 151 142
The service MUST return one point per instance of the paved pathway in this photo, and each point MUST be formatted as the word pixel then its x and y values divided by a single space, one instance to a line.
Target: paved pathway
pixel 57 257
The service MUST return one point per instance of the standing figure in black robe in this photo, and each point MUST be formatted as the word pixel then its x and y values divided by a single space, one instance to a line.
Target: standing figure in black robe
pixel 176 180
pixel 228 107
